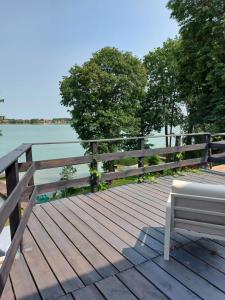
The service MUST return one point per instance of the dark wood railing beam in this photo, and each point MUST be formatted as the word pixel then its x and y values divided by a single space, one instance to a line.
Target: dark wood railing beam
pixel 14 197
pixel 12 179
pixel 94 168
pixel 13 156
pixel 60 162
pixel 11 253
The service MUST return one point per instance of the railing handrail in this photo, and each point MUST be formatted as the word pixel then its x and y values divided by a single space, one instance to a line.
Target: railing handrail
pixel 12 156
pixel 119 139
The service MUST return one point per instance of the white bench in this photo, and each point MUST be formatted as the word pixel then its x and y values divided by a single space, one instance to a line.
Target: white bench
pixel 197 209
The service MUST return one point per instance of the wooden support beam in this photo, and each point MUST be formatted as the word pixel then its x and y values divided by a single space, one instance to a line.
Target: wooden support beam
pixel 206 152
pixel 29 159
pixel 12 178
pixel 94 168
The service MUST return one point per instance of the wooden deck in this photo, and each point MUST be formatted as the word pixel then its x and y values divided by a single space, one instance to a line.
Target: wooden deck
pixel 109 245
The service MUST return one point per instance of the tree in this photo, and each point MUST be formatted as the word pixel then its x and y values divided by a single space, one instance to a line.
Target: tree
pixel 202 61
pixel 162 107
pixel 104 96
pixel 34 121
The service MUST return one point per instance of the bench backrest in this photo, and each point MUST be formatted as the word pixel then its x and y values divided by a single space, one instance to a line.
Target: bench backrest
pixel 198 207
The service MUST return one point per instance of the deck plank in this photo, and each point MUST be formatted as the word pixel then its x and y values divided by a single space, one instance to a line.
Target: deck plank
pixel 113 289
pixel 109 244
pixel 137 233
pixel 189 279
pixel 115 200
pixel 206 255
pixel 48 285
pixel 98 260
pixel 124 235
pixel 60 266
pixel 8 291
pixel 198 266
pixel 23 285
pixel 151 215
pixel 140 286
pixel 117 259
pixel 88 293
pixel 123 248
pixel 105 201
pixel 137 199
pixel 138 193
pixel 165 282
pixel 79 263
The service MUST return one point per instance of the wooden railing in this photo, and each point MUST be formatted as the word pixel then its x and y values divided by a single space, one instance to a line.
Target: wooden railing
pixel 24 189
pixel 11 208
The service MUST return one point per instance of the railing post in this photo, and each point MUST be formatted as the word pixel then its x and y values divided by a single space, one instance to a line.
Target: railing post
pixel 210 150
pixel 177 144
pixel 141 146
pixel 12 178
pixel 207 151
pixel 178 141
pixel 29 158
pixel 94 168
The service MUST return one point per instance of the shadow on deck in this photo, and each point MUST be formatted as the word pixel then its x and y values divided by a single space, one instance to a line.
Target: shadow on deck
pixel 109 245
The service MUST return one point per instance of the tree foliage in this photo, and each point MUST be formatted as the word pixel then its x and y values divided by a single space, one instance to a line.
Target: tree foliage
pixel 163 107
pixel 202 61
pixel 104 95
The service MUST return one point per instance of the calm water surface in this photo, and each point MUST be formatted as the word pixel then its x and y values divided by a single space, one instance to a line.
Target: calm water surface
pixel 14 135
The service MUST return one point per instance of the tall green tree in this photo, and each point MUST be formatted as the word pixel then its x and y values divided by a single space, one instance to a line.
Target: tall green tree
pixel 202 61
pixel 163 107
pixel 104 96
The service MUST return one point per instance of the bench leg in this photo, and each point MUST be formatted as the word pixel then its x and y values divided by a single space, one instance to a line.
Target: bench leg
pixel 167 234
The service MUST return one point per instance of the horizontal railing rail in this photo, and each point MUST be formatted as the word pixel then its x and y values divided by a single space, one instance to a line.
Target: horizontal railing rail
pixel 60 162
pixel 217 158
pixel 23 189
pixel 122 138
pixel 13 156
pixel 14 198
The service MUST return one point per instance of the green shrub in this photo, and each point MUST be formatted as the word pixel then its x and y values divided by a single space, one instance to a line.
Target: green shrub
pixel 154 160
pixel 102 186
pixel 67 173
pixel 128 161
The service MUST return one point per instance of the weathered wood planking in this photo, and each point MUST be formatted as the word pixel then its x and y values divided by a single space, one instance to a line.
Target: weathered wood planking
pixel 78 261
pixel 23 283
pixel 12 156
pixel 11 253
pixel 85 181
pixel 217 145
pixel 88 235
pixel 60 185
pixel 60 162
pixel 155 168
pixel 15 197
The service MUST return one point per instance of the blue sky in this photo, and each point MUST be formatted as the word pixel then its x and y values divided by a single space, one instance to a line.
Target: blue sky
pixel 41 40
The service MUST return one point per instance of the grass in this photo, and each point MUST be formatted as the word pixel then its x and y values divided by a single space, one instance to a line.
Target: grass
pixel 130 161
pixel 124 181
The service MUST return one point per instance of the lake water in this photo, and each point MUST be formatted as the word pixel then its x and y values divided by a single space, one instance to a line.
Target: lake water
pixel 14 135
